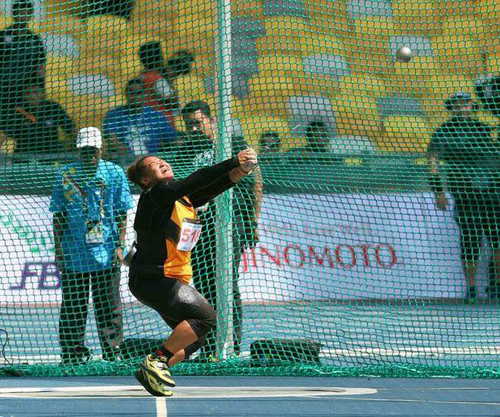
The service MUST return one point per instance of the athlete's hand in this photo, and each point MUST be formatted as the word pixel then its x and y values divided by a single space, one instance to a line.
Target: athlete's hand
pixel 248 160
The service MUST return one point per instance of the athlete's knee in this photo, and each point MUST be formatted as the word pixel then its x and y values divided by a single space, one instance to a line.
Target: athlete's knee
pixel 202 324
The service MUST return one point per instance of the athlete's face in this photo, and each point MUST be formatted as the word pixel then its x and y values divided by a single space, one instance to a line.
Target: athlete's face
pixel 155 170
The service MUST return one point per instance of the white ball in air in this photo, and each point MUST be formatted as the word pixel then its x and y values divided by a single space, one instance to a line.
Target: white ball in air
pixel 404 54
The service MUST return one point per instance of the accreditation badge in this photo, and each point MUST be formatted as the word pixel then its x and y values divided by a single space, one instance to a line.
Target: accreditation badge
pixel 95 235
pixel 190 234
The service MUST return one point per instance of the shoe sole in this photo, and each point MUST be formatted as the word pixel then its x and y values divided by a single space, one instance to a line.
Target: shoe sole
pixel 139 375
pixel 168 382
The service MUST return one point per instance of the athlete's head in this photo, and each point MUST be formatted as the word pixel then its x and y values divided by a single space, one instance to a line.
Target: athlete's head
pixel 148 171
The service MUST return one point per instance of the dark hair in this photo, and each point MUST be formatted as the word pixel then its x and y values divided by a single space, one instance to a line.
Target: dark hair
pixel 18 5
pixel 194 106
pixel 133 82
pixel 135 172
pixel 180 63
pixel 150 54
pixel 314 126
pixel 272 135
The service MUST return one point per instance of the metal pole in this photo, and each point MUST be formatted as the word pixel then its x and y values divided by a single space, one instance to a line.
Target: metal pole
pixel 224 202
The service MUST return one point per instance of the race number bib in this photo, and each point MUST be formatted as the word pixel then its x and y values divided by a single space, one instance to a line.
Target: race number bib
pixel 190 233
pixel 95 235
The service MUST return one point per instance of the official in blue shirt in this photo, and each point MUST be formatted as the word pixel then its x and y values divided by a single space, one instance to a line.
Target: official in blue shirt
pixel 136 129
pixel 90 200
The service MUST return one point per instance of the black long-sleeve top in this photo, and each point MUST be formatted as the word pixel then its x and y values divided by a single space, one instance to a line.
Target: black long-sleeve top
pixel 159 216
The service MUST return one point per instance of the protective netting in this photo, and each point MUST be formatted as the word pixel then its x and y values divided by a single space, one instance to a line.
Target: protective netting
pixel 365 244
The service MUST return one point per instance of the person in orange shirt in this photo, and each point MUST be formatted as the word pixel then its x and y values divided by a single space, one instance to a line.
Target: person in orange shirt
pixel 160 270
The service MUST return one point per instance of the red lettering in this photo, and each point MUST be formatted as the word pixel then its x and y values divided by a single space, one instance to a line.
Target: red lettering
pixel 276 259
pixel 298 249
pixel 338 250
pixel 319 260
pixel 392 253
pixel 366 259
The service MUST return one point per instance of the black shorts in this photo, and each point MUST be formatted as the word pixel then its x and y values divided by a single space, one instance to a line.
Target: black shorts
pixel 174 301
pixel 478 216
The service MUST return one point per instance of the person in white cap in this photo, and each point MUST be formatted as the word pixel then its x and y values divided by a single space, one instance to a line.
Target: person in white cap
pixel 90 200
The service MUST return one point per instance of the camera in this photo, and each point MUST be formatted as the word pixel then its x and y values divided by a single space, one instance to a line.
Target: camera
pixel 488 92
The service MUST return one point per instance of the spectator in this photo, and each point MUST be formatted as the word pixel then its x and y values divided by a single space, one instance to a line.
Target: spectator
pixel 137 129
pixel 89 202
pixel 270 150
pixel 22 56
pixel 199 148
pixel 159 92
pixel 471 158
pixel 269 143
pixel 317 149
pixel 35 122
pixel 179 64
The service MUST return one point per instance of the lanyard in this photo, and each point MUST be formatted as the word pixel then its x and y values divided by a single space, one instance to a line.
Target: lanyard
pixel 84 196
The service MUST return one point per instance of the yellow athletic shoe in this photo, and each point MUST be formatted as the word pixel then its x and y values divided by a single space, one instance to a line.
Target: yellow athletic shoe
pixel 157 367
pixel 151 384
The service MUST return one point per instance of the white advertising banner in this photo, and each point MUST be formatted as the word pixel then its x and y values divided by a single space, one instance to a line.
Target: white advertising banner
pixel 312 247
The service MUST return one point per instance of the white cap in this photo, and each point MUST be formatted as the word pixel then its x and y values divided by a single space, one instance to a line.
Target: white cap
pixel 89 136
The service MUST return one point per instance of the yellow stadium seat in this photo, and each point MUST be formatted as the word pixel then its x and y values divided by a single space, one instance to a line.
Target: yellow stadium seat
pixel 280 64
pixel 369 48
pixel 280 45
pixel 100 64
pixel 443 86
pixel 253 127
pixel 269 86
pixel 410 78
pixel 90 110
pixel 247 8
pixel 183 24
pixel 189 87
pixel 464 25
pixel 405 134
pixel 60 24
pixel 458 54
pixel 152 24
pixel 282 26
pixel 57 65
pixel 356 114
pixel 204 64
pixel 4 21
pixel 263 105
pixel 487 118
pixel 361 84
pixel 489 11
pixel 374 27
pixel 196 9
pixel 447 8
pixel 322 44
pixel 493 63
pixel 107 25
pixel 334 10
pixel 157 6
pixel 417 17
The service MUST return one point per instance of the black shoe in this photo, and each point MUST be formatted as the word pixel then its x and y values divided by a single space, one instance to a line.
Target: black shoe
pixel 76 356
